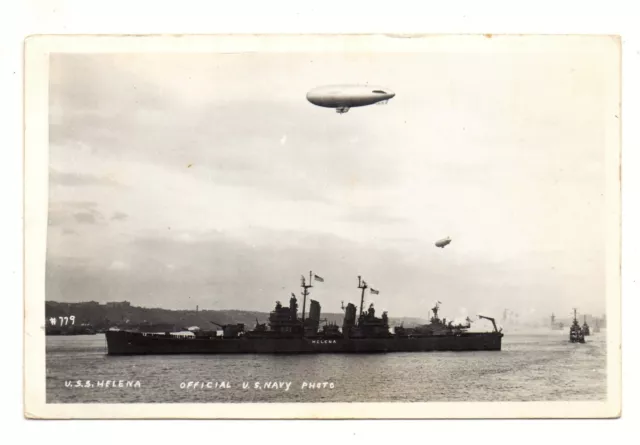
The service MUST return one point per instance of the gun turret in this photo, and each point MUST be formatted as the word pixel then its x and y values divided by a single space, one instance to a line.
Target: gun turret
pixel 230 330
pixel 260 327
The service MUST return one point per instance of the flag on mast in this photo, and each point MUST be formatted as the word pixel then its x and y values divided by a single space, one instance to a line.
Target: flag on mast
pixel 373 291
pixel 317 278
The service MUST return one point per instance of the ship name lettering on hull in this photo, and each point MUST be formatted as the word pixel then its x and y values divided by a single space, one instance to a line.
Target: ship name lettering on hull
pixel 323 342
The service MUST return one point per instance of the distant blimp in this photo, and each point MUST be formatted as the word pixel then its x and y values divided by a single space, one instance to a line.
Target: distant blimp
pixel 443 242
pixel 343 97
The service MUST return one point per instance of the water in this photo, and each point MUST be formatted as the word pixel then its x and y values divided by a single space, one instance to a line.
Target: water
pixel 541 366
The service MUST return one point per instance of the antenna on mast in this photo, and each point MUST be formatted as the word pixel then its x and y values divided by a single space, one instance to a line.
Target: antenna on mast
pixel 305 291
pixel 362 285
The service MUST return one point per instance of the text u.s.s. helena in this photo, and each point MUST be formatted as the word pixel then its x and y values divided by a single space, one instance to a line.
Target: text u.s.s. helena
pixel 102 384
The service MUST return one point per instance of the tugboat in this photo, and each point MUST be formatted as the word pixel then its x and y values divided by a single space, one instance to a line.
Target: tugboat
pixel 585 327
pixel 576 335
pixel 286 333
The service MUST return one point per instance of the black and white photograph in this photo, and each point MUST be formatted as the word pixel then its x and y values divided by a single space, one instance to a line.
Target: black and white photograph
pixel 368 226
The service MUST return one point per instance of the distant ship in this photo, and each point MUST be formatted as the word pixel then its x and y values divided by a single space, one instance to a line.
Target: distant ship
pixel 556 326
pixel 576 334
pixel 585 327
pixel 288 334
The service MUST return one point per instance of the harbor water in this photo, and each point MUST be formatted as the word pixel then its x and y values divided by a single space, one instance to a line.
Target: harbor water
pixel 532 366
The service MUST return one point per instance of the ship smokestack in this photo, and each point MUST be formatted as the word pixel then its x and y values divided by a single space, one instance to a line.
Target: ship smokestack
pixel 349 317
pixel 313 322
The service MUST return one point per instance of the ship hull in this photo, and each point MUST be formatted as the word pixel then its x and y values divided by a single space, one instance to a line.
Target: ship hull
pixel 136 343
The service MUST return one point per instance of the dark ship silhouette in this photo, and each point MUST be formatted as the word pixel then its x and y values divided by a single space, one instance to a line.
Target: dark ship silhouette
pixel 585 327
pixel 286 333
pixel 576 334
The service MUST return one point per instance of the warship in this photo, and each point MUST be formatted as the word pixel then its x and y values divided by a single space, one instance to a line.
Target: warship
pixel 361 332
pixel 576 334
pixel 585 327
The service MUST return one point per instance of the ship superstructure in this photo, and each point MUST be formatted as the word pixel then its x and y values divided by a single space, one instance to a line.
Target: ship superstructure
pixel 285 332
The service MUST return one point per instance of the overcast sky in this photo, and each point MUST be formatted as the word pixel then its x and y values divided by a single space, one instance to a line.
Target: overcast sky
pixel 208 179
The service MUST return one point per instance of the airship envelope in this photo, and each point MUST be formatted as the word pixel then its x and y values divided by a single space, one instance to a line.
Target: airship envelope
pixel 344 97
pixel 443 242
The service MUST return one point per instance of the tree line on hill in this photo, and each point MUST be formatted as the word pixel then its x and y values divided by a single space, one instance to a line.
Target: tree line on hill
pixel 123 315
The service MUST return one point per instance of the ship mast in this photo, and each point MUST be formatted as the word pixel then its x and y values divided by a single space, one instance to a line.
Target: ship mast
pixel 305 292
pixel 362 285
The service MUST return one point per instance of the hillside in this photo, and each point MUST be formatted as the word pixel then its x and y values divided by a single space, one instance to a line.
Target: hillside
pixel 123 315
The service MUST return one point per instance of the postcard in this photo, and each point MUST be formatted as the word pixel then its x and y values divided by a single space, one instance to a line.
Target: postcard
pixel 322 226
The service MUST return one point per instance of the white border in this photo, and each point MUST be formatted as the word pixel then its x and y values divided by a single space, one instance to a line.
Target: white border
pixel 36 192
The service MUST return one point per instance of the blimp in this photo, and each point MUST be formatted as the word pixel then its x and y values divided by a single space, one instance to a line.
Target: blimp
pixel 344 97
pixel 443 242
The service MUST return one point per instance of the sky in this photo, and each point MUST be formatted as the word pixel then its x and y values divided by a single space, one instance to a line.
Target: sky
pixel 207 179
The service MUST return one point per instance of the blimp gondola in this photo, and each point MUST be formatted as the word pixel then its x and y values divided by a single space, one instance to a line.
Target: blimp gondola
pixel 344 97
